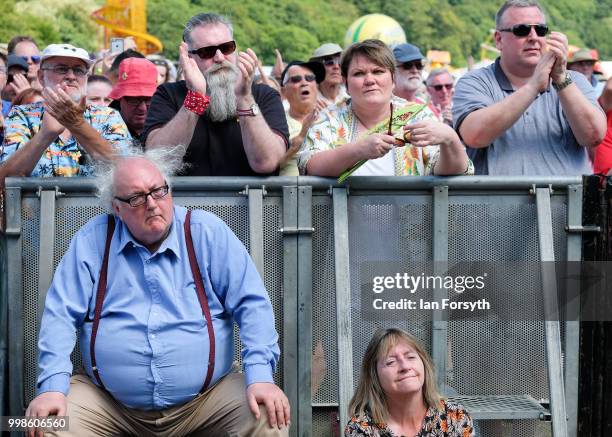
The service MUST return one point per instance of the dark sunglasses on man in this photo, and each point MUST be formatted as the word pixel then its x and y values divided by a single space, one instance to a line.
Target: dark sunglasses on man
pixel 522 30
pixel 409 65
pixel 208 52
pixel 332 60
pixel 448 86
pixel 35 59
pixel 298 79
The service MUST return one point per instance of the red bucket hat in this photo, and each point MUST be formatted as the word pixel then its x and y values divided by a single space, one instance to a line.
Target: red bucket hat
pixel 137 77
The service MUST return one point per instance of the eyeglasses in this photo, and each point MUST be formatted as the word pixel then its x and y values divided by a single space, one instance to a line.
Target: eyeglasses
pixel 584 63
pixel 63 70
pixel 334 60
pixel 298 79
pixel 35 59
pixel 141 199
pixel 408 65
pixel 448 86
pixel 522 30
pixel 136 101
pixel 227 48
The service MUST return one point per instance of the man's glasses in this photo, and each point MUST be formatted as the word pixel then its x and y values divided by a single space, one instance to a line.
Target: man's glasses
pixel 298 79
pixel 63 70
pixel 141 199
pixel 409 65
pixel 448 86
pixel 334 60
pixel 35 59
pixel 227 48
pixel 522 30
pixel 137 101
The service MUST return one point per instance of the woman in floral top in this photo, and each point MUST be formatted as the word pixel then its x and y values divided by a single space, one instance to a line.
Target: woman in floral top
pixel 397 394
pixel 375 123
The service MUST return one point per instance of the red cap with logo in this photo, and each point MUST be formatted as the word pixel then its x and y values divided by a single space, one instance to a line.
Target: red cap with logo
pixel 137 77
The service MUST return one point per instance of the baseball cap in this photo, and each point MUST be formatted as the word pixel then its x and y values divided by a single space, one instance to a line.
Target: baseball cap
pixel 406 53
pixel 326 49
pixel 66 51
pixel 582 55
pixel 137 77
pixel 315 66
pixel 16 61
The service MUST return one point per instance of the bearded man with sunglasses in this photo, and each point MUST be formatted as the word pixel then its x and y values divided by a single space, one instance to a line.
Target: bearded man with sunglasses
pixel 232 126
pixel 61 136
pixel 526 114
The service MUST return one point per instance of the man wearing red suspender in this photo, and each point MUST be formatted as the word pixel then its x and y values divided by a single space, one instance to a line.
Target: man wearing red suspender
pixel 143 287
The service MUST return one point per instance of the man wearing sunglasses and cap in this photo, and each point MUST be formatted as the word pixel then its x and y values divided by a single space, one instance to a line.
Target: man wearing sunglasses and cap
pixel 409 73
pixel 232 126
pixel 61 136
pixel 331 90
pixel 526 114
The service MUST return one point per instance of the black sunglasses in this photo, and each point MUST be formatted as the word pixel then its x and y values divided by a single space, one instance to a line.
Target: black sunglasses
pixel 298 79
pixel 408 65
pixel 448 86
pixel 334 60
pixel 227 48
pixel 522 30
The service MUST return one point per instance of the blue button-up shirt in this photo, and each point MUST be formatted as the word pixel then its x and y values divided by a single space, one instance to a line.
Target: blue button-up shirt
pixel 152 344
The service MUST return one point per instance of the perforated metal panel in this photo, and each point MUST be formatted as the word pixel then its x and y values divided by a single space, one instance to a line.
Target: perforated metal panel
pixel 325 423
pixel 30 215
pixel 324 297
pixel 386 228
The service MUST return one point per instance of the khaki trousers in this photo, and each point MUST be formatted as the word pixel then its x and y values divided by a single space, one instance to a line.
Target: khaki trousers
pixel 220 411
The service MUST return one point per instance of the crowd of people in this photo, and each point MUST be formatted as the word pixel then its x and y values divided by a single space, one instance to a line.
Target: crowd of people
pixel 133 121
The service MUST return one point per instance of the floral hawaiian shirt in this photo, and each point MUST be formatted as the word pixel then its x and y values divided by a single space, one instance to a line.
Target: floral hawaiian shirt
pixel 338 125
pixel 449 420
pixel 61 158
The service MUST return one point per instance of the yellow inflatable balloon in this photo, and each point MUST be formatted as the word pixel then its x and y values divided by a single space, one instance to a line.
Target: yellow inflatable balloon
pixel 377 26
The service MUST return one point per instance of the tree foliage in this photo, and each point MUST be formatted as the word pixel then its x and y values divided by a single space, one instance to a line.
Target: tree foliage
pixel 296 28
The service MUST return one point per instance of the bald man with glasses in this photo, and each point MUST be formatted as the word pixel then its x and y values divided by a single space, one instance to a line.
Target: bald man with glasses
pixel 526 114
pixel 232 126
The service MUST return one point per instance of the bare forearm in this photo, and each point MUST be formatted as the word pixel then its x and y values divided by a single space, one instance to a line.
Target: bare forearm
pixel 453 159
pixel 177 131
pixel 92 141
pixel 264 148
pixel 482 126
pixel 23 161
pixel 588 123
pixel 333 162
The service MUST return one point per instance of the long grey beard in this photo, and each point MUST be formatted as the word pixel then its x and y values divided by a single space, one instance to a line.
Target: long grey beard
pixel 221 82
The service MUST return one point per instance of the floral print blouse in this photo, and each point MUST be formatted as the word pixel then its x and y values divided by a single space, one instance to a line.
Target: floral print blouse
pixel 337 125
pixel 449 420
pixel 61 158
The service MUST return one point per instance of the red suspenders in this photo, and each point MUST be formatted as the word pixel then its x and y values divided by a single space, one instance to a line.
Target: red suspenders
pixel 197 278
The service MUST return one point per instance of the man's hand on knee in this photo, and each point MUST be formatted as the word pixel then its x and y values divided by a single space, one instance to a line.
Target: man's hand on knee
pixel 45 404
pixel 273 399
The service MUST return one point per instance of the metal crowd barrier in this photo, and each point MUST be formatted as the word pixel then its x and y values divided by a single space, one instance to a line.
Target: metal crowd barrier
pixel 310 238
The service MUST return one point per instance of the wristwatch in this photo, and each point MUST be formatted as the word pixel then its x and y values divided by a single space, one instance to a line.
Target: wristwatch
pixel 251 112
pixel 566 82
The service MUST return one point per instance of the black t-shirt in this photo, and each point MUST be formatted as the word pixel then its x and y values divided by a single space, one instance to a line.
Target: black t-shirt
pixel 216 147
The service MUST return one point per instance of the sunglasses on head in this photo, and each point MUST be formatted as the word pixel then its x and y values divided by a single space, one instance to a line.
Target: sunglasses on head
pixel 334 60
pixel 227 48
pixel 408 65
pixel 525 29
pixel 298 79
pixel 448 86
pixel 35 59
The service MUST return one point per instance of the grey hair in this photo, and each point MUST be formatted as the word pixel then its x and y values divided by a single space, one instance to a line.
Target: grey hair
pixel 168 160
pixel 204 19
pixel 437 72
pixel 516 4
